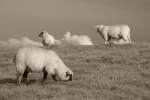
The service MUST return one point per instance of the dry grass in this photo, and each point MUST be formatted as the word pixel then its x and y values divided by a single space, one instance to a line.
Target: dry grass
pixel 101 73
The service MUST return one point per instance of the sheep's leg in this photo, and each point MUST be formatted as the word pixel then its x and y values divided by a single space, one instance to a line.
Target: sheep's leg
pixel 54 77
pixel 125 38
pixel 129 38
pixel 51 72
pixel 45 75
pixel 106 39
pixel 19 77
pixel 109 38
pixel 25 76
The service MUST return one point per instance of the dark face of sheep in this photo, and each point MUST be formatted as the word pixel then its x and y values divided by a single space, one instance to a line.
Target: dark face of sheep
pixel 69 76
pixel 64 76
pixel 41 34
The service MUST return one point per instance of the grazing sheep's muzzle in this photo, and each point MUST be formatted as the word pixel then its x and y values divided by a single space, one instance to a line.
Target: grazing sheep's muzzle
pixel 69 76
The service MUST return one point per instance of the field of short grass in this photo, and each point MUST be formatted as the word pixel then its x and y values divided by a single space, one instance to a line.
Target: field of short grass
pixel 100 73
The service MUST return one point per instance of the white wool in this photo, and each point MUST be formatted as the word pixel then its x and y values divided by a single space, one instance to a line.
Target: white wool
pixel 77 40
pixel 57 42
pixel 49 39
pixel 37 58
pixel 15 43
pixel 114 32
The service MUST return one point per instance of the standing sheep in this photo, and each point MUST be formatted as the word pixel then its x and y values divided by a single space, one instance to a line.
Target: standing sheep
pixel 114 32
pixel 34 59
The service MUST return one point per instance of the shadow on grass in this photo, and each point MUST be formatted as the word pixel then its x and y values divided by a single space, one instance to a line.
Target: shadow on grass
pixel 13 81
pixel 7 80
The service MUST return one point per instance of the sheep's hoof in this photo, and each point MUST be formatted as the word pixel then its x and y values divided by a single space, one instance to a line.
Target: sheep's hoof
pixel 17 82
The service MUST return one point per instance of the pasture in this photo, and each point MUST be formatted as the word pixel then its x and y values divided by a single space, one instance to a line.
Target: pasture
pixel 100 73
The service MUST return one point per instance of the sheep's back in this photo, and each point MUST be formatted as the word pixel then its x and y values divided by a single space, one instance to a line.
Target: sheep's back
pixel 34 58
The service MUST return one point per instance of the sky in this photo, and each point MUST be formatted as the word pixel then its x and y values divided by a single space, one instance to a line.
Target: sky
pixel 20 18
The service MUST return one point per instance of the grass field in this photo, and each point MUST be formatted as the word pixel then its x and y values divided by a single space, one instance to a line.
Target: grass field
pixel 100 73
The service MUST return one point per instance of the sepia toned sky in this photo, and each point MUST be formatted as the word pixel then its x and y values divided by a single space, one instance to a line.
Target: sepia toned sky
pixel 29 17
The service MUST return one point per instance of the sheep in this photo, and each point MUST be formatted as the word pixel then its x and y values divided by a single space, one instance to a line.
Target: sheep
pixel 114 32
pixel 48 39
pixel 34 59
pixel 76 39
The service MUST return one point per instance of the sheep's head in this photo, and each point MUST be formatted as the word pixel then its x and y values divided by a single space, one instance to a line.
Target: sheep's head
pixel 65 75
pixel 69 76
pixel 99 27
pixel 43 33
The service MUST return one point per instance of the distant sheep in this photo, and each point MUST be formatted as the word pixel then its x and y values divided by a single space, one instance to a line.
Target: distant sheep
pixel 77 40
pixel 34 59
pixel 114 32
pixel 48 39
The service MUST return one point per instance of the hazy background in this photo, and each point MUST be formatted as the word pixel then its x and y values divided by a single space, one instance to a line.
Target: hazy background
pixel 29 17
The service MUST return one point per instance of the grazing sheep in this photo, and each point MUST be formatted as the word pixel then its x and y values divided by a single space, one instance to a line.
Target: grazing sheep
pixel 48 39
pixel 114 32
pixel 34 59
